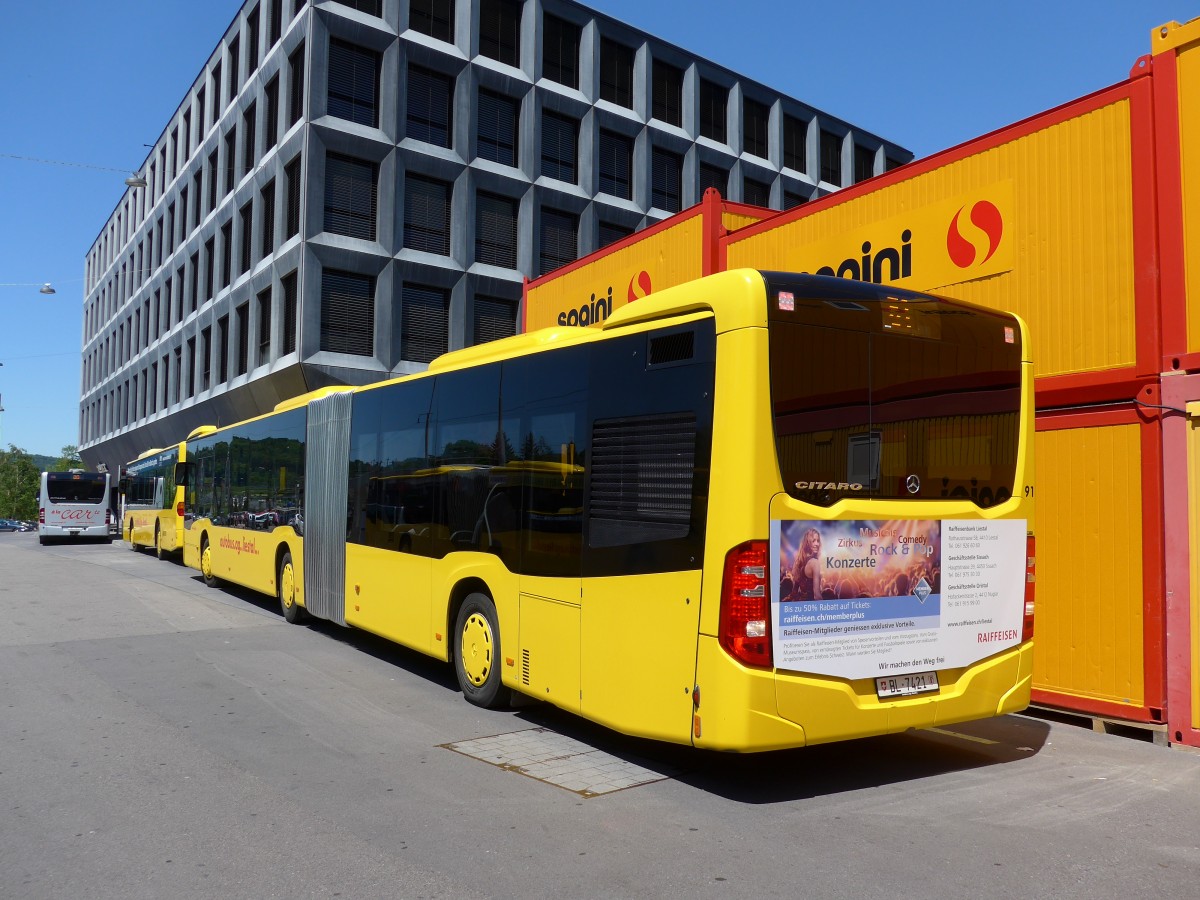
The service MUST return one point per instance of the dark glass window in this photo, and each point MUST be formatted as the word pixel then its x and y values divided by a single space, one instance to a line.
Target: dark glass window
pixel 831 157
pixel 498 119
pixel 194 281
pixel 864 163
pixel 271 128
pixel 713 98
pixel 432 17
pixel 713 177
pixel 667 93
pixel 560 146
pixel 890 164
pixel 755 119
pixel 243 339
pixel 495 318
pixel 288 282
pixel 559 239
pixel 275 21
pixel 351 186
pixel 610 232
pixel 251 42
pixel 496 230
pixel 230 160
pixel 427 214
pixel 370 7
pixel 296 85
pixel 210 263
pixel 216 82
pixel 791 199
pixel 264 327
pixel 347 313
pixel 430 114
pixel 616 164
pixel 291 173
pixel 267 202
pixel 560 50
pixel 353 83
pixel 500 30
pixel 246 215
pixel 198 193
pixel 795 143
pixel 616 73
pixel 212 181
pixel 666 179
pixel 755 192
pixel 424 322
pixel 234 73
pixel 222 349
pixel 226 253
pixel 248 135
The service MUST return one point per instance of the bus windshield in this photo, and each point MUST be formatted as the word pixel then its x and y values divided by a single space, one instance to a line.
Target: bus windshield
pixel 881 392
pixel 67 487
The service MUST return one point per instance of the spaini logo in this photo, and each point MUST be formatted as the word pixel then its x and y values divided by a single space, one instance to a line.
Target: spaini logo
pixel 639 286
pixel 967 250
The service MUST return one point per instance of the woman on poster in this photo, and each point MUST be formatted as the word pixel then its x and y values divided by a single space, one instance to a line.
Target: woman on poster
pixel 806 569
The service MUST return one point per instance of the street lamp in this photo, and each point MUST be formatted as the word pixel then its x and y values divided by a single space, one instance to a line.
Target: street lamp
pixel 46 289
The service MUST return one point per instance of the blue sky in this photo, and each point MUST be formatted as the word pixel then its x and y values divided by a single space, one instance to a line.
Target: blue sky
pixel 92 83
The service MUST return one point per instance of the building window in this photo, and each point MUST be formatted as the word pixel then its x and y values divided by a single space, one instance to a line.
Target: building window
pixel 424 320
pixel 370 7
pixel 791 199
pixel 178 379
pixel 243 339
pixel 251 42
pixel 226 253
pixel 560 146
pixel 616 73
pixel 183 214
pixel 198 193
pixel 616 164
pixel 666 180
pixel 288 283
pixel 795 139
pixel 864 163
pixel 267 202
pixel 432 17
pixel 427 214
pixel 500 30
pixel 495 318
pixel 186 147
pixel 560 50
pixel 246 214
pixel 234 47
pixel 347 313
pixel 271 127
pixel 248 135
pixel 210 263
pixel 291 173
pixel 496 230
pixel 264 327
pixel 755 118
pixel 194 280
pixel 206 359
pixel 611 232
pixel 212 181
pixel 668 93
pixel 498 119
pixel 296 85
pixel 559 242
pixel 275 22
pixel 755 192
pixel 713 177
pixel 222 349
pixel 353 83
pixel 216 83
pixel 230 160
pixel 713 98
pixel 430 113
pixel 831 157
pixel 350 196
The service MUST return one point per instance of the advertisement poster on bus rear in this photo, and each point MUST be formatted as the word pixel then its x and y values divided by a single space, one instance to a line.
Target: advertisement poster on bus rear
pixel 860 599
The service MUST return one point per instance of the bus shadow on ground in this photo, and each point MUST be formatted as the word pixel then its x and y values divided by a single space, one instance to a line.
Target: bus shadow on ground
pixel 777 776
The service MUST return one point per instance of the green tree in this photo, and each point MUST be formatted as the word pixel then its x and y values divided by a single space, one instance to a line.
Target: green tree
pixel 68 458
pixel 19 480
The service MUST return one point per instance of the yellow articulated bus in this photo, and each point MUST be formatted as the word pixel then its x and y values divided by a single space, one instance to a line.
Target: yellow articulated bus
pixel 153 501
pixel 754 511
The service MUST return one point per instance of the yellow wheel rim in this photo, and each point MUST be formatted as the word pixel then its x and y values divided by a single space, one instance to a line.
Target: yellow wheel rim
pixel 477 648
pixel 206 562
pixel 287 586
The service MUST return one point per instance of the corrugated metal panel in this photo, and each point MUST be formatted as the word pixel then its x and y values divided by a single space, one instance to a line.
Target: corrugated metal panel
pixel 733 221
pixel 1072 276
pixel 1189 148
pixel 325 496
pixel 1088 640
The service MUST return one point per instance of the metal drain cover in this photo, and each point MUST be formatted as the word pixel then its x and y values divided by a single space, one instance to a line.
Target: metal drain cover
pixel 559 760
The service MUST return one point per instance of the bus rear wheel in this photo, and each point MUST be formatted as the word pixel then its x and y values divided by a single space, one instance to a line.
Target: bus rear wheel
pixel 477 653
pixel 206 565
pixel 293 613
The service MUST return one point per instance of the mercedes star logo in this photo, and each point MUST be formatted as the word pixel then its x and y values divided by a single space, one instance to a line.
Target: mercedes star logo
pixel 913 484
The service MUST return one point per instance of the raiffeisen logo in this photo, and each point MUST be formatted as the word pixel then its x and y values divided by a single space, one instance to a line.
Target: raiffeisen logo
pixel 973 246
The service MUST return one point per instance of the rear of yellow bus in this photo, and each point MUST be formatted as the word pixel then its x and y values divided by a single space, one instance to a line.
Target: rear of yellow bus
pixel 870 514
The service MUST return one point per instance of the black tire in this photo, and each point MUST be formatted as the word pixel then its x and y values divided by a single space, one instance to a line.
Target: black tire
pixel 285 589
pixel 43 540
pixel 477 656
pixel 206 565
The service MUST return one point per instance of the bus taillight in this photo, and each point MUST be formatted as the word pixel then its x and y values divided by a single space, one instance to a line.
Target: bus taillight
pixel 179 509
pixel 42 516
pixel 745 631
pixel 1030 584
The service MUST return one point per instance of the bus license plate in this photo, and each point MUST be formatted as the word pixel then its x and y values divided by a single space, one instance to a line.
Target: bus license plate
pixel 906 685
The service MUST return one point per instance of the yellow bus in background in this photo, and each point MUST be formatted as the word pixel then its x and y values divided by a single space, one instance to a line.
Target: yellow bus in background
pixel 755 511
pixel 152 501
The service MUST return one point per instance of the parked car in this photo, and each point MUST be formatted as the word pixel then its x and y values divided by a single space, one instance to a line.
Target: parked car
pixel 9 525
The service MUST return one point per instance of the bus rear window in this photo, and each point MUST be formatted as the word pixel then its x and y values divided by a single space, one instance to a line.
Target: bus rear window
pixel 891 394
pixel 73 489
